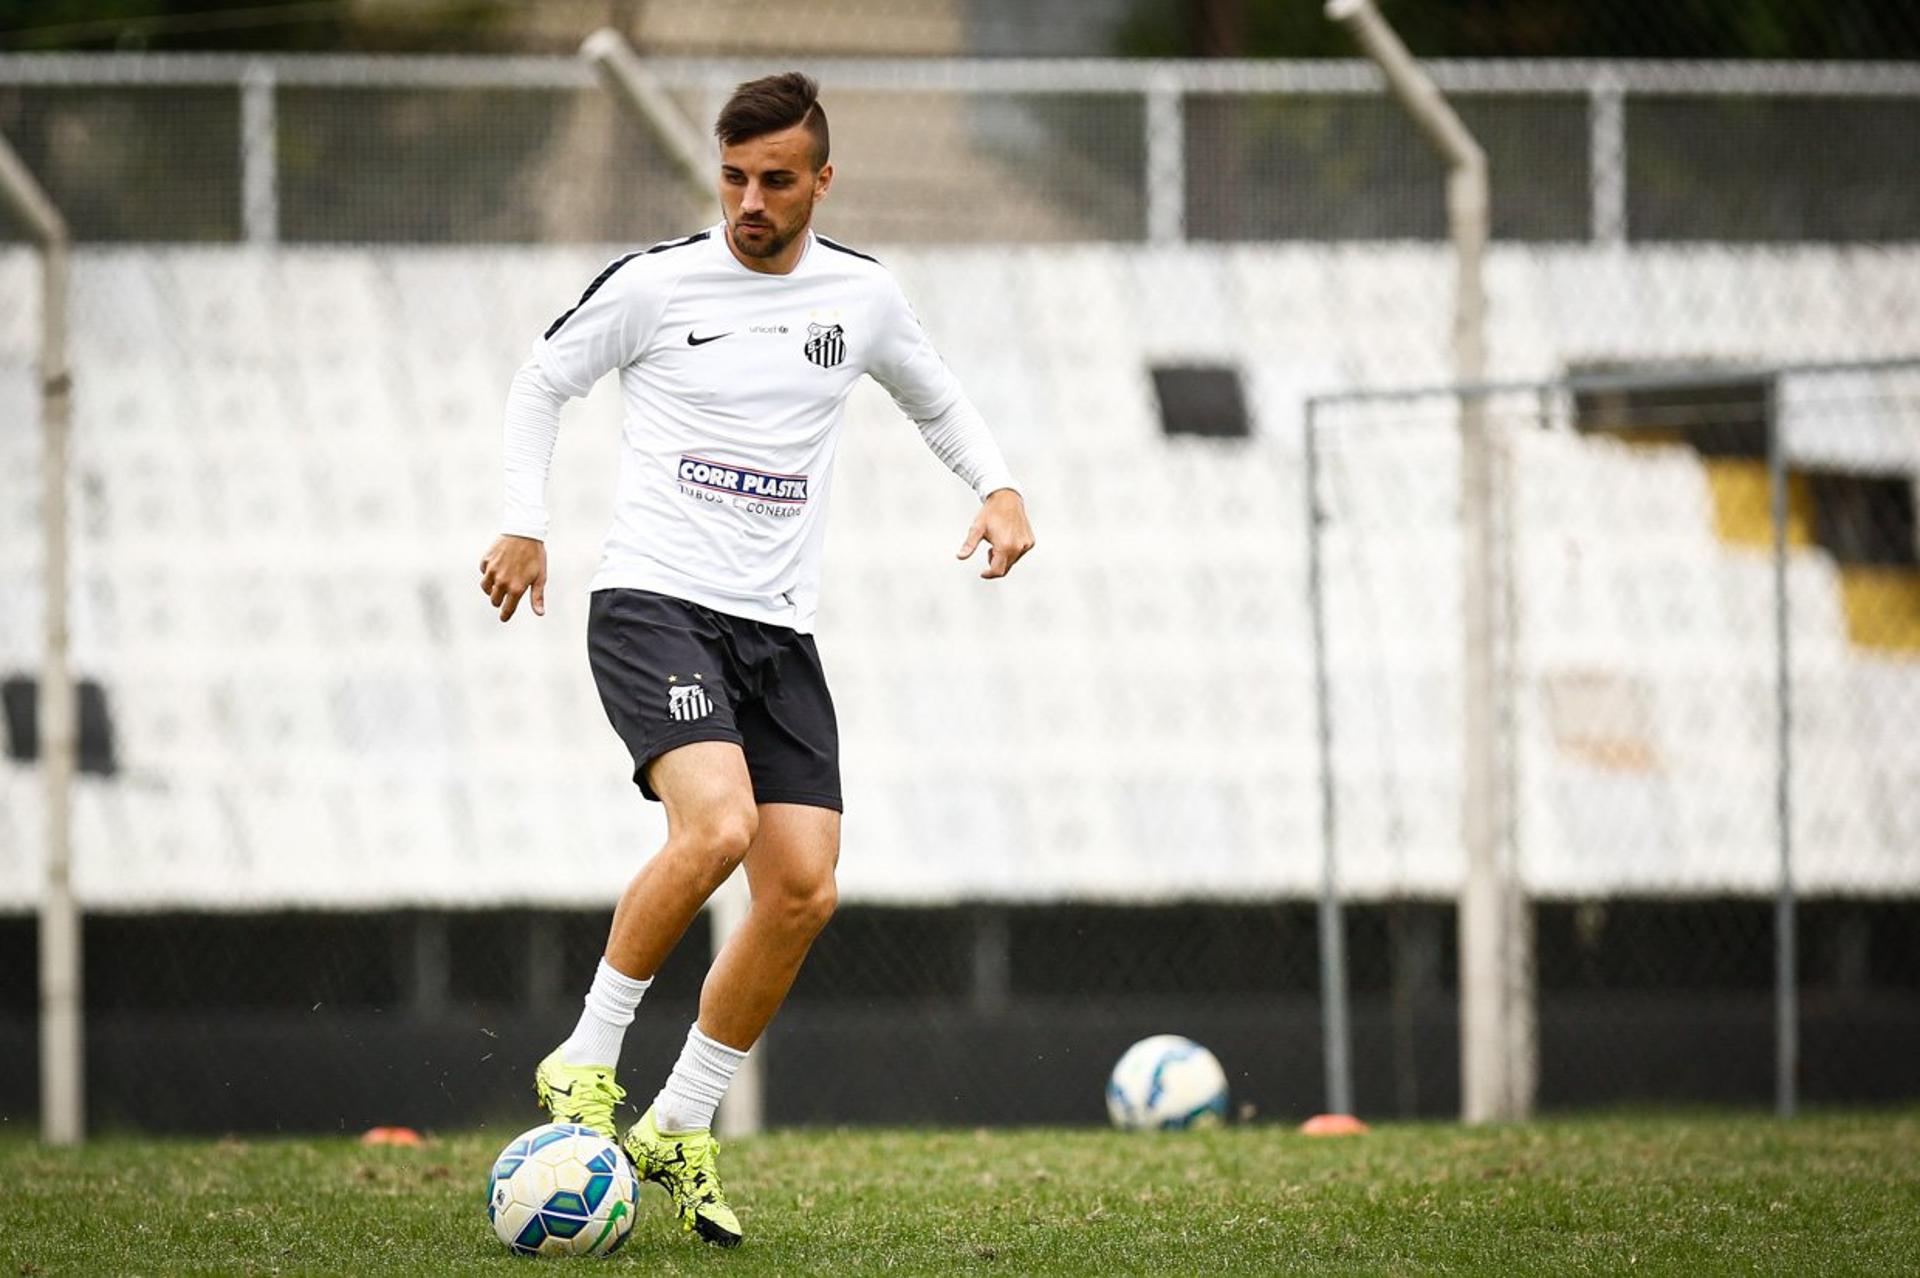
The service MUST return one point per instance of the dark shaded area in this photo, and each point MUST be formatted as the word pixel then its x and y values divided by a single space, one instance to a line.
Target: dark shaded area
pixel 1855 29
pixel 1864 29
pixel 360 165
pixel 1714 169
pixel 20 708
pixel 467 166
pixel 1041 1061
pixel 1194 950
pixel 1201 399
pixel 297 25
pixel 1865 519
pixel 1649 946
pixel 962 1015
pixel 1357 168
pixel 1716 419
pixel 177 146
pixel 1092 148
pixel 1770 169
pixel 414 165
pixel 871 955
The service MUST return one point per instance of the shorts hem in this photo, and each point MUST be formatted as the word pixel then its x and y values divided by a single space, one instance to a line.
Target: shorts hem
pixel 669 744
pixel 805 798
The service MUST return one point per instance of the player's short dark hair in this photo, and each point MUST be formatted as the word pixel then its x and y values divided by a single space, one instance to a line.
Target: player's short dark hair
pixel 773 103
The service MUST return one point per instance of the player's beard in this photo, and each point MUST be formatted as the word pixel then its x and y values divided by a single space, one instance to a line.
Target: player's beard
pixel 777 238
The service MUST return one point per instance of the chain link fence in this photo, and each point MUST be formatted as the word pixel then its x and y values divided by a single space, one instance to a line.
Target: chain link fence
pixel 527 150
pixel 315 839
pixel 1705 677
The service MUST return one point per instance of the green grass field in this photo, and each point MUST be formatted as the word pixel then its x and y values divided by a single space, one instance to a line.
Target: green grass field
pixel 1835 1193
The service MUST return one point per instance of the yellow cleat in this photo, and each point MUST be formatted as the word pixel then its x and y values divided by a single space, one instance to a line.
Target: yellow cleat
pixel 684 1165
pixel 583 1094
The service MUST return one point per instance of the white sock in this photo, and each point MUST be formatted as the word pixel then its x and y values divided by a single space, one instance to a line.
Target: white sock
pixel 603 1021
pixel 698 1081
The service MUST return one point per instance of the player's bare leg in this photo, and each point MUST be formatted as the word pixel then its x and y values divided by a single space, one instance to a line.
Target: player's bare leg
pixel 790 865
pixel 711 822
pixel 711 819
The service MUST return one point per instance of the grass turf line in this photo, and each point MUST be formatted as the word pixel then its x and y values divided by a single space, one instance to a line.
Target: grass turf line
pixel 1831 1193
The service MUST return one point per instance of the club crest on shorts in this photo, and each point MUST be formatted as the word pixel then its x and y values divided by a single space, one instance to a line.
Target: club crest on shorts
pixel 826 344
pixel 687 702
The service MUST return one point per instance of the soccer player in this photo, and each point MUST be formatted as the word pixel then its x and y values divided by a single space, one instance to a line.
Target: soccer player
pixel 737 347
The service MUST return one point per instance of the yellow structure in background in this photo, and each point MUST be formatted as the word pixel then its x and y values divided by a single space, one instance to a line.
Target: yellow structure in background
pixel 1882 601
pixel 1883 605
pixel 1743 503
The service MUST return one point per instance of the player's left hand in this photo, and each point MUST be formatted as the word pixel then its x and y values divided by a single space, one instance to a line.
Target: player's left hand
pixel 1002 524
pixel 512 566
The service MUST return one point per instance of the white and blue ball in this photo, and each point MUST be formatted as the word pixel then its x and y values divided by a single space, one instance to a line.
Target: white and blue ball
pixel 561 1190
pixel 1167 1082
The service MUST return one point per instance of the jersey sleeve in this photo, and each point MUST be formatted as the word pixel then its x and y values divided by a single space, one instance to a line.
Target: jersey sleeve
pixel 607 328
pixel 927 391
pixel 531 430
pixel 905 363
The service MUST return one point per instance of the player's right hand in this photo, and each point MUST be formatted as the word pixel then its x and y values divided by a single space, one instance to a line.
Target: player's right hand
pixel 512 564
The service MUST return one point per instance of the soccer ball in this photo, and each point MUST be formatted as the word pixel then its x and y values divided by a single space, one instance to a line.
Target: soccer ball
pixel 1167 1082
pixel 561 1190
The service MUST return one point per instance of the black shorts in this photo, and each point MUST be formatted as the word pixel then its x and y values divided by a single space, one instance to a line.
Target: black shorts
pixel 672 672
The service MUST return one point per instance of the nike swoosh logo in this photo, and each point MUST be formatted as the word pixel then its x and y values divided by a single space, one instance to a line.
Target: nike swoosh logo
pixel 702 341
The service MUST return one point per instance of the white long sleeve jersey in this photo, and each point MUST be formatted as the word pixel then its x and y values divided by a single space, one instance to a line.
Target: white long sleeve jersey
pixel 734 385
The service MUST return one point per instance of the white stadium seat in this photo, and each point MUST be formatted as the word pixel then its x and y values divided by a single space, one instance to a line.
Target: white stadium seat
pixel 288 465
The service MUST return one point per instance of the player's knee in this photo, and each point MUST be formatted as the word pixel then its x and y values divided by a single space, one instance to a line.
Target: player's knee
pixel 806 907
pixel 723 834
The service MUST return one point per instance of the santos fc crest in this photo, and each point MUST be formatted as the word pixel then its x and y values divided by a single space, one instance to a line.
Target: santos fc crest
pixel 826 344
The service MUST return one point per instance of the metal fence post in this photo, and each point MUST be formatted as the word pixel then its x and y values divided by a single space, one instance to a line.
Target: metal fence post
pixel 1495 1061
pixel 1166 168
pixel 1785 961
pixel 259 155
pixel 1607 159
pixel 642 94
pixel 62 1062
pixel 1335 1031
